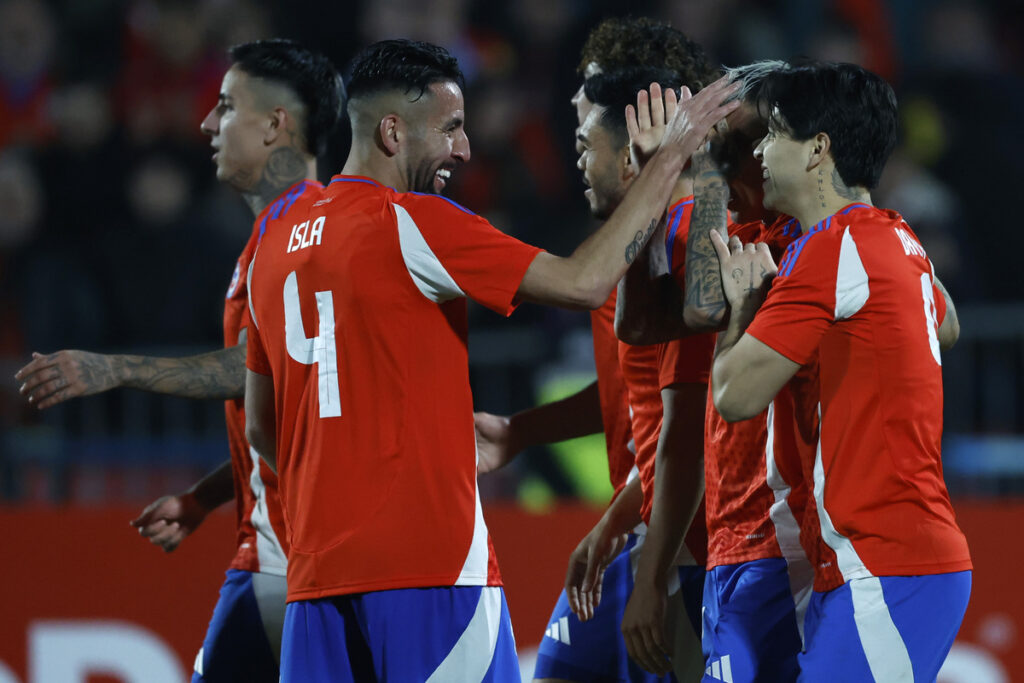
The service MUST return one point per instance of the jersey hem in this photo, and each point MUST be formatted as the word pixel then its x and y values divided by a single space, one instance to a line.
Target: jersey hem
pixel 375 586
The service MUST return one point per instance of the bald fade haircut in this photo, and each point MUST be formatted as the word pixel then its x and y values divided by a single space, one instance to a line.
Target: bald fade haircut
pixel 630 42
pixel 408 66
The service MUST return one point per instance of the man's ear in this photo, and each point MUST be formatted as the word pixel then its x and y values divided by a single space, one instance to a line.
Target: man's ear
pixel 629 170
pixel 277 124
pixel 391 130
pixel 819 148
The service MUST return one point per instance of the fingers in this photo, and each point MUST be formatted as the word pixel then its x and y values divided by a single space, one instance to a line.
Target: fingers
pixel 685 94
pixel 671 103
pixel 632 125
pixel 657 107
pixel 765 255
pixel 721 248
pixel 643 108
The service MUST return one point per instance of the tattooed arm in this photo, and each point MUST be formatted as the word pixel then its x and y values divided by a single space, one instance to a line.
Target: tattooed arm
pixel 56 377
pixel 585 279
pixel 704 304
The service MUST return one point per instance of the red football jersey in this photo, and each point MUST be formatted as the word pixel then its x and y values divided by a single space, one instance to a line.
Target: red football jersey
pixel 360 317
pixel 618 433
pixel 260 536
pixel 649 369
pixel 754 489
pixel 857 293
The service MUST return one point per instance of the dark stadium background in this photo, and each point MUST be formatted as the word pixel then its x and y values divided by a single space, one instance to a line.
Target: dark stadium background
pixel 114 235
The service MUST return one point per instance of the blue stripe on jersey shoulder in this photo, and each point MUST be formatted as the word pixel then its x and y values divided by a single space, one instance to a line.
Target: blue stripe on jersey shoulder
pixel 851 207
pixel 795 247
pixel 293 195
pixel 274 212
pixel 438 196
pixel 789 226
pixel 675 216
pixel 354 180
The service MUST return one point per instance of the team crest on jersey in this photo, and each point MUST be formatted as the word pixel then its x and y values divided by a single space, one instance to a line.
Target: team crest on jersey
pixel 234 280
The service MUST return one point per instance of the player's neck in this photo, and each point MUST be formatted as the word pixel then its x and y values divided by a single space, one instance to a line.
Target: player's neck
pixel 285 167
pixel 683 188
pixel 827 196
pixel 380 168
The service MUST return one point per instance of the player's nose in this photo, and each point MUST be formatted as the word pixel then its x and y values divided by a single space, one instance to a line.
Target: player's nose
pixel 460 149
pixel 209 124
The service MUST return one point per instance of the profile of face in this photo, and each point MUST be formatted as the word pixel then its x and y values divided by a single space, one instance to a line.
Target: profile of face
pixel 743 130
pixel 238 129
pixel 784 168
pixel 435 138
pixel 604 162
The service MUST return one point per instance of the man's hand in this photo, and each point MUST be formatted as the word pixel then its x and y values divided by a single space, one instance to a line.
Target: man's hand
pixel 646 122
pixel 57 377
pixel 587 563
pixel 747 271
pixel 643 627
pixel 695 116
pixel 168 520
pixel 494 442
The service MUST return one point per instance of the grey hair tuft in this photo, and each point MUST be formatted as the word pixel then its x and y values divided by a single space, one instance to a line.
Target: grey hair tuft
pixel 751 75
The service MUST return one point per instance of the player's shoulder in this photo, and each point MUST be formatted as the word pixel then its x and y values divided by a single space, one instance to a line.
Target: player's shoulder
pixel 424 203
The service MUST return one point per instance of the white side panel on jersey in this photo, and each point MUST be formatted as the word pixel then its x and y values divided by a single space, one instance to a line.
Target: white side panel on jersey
pixel 883 645
pixel 425 269
pixel 787 530
pixel 248 290
pixel 474 569
pixel 470 657
pixel 268 547
pixel 851 279
pixel 931 317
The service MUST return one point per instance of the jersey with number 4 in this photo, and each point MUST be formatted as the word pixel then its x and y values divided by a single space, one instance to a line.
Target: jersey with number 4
pixel 857 291
pixel 359 313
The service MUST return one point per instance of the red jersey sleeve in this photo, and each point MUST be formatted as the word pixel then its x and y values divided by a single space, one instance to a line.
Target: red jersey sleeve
pixel 451 252
pixel 802 302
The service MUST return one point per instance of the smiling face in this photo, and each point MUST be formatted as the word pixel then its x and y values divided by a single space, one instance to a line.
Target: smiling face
pixel 604 161
pixel 436 139
pixel 784 168
pixel 237 127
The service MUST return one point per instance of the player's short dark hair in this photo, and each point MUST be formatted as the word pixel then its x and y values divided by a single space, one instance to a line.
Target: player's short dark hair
pixel 855 107
pixel 613 90
pixel 309 75
pixel 624 42
pixel 407 65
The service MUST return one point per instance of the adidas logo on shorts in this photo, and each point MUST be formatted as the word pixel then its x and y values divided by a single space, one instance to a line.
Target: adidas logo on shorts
pixel 720 669
pixel 559 630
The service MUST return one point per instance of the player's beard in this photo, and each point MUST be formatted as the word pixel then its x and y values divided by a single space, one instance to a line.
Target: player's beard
pixel 422 178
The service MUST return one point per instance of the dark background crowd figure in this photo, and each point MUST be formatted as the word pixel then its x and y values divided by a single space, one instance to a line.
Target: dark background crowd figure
pixel 115 236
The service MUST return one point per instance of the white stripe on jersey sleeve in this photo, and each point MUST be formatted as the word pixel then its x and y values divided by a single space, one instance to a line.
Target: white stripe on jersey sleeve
pixel 424 267
pixel 851 279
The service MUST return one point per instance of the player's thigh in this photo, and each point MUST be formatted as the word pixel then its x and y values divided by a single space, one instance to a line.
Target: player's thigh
pixel 750 627
pixel 236 646
pixel 323 642
pixel 888 628
pixel 461 633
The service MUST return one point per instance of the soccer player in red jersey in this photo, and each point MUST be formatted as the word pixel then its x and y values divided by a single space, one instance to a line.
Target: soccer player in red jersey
pixel 758 574
pixel 856 294
pixel 278 103
pixel 359 327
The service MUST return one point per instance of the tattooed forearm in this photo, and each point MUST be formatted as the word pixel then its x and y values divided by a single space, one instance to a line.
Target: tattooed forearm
pixel 285 166
pixel 216 375
pixel 639 240
pixel 704 302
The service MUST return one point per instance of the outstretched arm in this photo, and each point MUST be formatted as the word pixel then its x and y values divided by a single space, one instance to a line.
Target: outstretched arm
pixel 585 279
pixel 57 377
pixel 499 439
pixel 169 519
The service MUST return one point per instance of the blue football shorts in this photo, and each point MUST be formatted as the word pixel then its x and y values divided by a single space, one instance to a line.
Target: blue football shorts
pixel 458 633
pixel 888 628
pixel 751 627
pixel 237 646
pixel 594 651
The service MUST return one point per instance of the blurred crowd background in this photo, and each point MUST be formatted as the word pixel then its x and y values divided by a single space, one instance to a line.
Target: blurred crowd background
pixel 115 236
